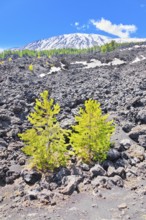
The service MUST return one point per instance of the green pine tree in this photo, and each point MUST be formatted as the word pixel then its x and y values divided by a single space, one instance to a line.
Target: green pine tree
pixel 30 68
pixel 91 134
pixel 45 141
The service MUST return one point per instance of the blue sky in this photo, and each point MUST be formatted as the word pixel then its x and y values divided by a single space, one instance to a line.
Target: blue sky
pixel 24 21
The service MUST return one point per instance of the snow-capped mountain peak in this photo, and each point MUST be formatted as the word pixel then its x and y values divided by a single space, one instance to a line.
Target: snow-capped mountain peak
pixel 77 40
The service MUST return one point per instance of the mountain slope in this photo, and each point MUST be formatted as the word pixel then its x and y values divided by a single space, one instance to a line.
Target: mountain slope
pixel 77 41
pixel 68 41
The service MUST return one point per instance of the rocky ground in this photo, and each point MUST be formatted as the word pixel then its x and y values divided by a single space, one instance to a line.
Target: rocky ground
pixel 114 189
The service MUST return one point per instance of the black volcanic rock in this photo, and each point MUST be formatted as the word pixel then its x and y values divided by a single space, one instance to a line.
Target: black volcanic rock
pixel 119 88
pixel 31 177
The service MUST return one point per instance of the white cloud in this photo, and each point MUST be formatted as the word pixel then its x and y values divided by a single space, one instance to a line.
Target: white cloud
pixel 80 27
pixel 76 23
pixel 83 27
pixel 120 30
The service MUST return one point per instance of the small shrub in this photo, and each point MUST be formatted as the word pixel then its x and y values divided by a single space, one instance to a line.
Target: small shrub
pixel 109 46
pixel 45 141
pixel 10 59
pixel 20 53
pixel 30 67
pixel 38 55
pixel 91 134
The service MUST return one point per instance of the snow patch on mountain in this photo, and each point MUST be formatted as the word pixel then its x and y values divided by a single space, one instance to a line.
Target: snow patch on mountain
pixel 138 59
pixel 97 63
pixel 54 69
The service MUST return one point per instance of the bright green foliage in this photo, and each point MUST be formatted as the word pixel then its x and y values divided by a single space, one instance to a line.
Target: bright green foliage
pixel 45 141
pixel 30 67
pixel 38 55
pixel 56 52
pixel 92 132
pixel 20 53
pixel 1 62
pixel 109 46
pixel 10 59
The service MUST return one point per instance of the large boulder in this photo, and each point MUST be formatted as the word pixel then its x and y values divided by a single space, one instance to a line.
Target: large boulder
pixel 136 152
pixel 70 184
pixel 142 141
pixel 125 144
pixel 141 116
pixel 137 131
pixel 97 170
pixel 113 155
pixel 31 176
